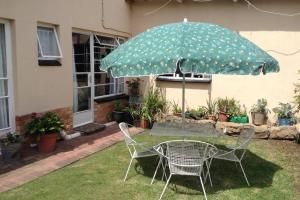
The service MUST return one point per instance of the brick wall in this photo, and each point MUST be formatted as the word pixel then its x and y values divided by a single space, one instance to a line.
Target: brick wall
pixel 102 110
pixel 65 114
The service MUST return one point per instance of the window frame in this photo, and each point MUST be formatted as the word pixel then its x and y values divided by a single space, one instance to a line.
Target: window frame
pixel 43 57
pixel 116 81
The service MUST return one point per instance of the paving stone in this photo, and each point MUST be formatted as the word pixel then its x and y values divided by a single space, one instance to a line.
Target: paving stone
pixel 66 153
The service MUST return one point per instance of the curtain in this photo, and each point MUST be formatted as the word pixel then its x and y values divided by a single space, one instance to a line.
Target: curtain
pixel 48 41
pixel 4 113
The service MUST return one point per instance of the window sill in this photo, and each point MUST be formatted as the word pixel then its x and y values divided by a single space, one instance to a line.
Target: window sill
pixel 111 98
pixel 49 63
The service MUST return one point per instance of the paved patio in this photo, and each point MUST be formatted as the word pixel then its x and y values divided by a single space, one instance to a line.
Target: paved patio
pixel 35 165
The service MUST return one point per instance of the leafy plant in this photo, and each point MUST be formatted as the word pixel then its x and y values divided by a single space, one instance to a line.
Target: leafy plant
pixel 297 95
pixel 211 107
pixel 175 107
pixel 118 106
pixel 228 106
pixel 284 110
pixel 10 138
pixel 153 104
pixel 134 83
pixel 44 124
pixel 260 106
pixel 201 111
pixel 135 112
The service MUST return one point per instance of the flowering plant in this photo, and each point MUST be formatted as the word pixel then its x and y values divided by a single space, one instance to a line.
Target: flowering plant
pixel 134 83
pixel 44 124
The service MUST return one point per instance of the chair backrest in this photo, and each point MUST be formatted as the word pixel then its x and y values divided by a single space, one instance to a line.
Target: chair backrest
pixel 124 129
pixel 245 137
pixel 187 152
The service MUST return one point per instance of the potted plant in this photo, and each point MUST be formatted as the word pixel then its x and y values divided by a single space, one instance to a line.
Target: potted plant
pixel 133 86
pixel 135 113
pixel 259 112
pixel 145 118
pixel 211 110
pixel 240 116
pixel 47 127
pixel 10 147
pixel 177 111
pixel 153 105
pixel 223 108
pixel 285 114
pixel 118 113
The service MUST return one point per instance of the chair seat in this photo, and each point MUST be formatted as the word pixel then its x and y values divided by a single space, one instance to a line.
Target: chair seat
pixel 146 153
pixel 224 155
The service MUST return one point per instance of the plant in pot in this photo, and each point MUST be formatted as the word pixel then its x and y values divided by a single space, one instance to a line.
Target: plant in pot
pixel 47 127
pixel 118 113
pixel 177 111
pixel 223 109
pixel 285 114
pixel 154 105
pixel 211 110
pixel 259 112
pixel 10 147
pixel 135 113
pixel 133 86
pixel 239 115
pixel 145 118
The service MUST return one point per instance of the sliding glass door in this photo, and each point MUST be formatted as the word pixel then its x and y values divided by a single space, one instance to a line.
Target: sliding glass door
pixel 6 114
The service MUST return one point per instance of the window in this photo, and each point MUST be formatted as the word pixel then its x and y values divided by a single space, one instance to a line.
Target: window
pixel 48 44
pixel 104 84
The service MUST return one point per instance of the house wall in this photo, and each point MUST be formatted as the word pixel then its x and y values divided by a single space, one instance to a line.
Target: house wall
pixel 39 89
pixel 270 32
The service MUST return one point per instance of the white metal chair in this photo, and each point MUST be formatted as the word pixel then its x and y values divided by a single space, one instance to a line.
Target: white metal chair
pixel 242 143
pixel 185 157
pixel 136 150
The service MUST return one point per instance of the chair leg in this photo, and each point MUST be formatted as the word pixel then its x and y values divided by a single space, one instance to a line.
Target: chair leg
pixel 244 173
pixel 165 187
pixel 208 173
pixel 128 169
pixel 164 165
pixel 202 185
pixel 158 165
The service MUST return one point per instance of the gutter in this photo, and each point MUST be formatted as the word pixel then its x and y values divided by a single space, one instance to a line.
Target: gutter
pixel 109 28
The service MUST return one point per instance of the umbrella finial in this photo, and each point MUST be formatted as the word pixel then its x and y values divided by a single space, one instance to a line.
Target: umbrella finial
pixel 185 20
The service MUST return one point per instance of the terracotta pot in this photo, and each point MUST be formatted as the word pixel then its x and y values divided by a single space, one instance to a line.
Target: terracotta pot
pixel 47 142
pixel 137 123
pixel 258 118
pixel 145 124
pixel 178 114
pixel 223 117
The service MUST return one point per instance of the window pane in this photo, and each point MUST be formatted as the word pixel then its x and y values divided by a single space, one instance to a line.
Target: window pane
pixel 4 117
pixel 102 78
pixel 83 99
pixel 104 90
pixel 3 88
pixel 48 42
pixel 82 80
pixel 121 88
pixel 81 50
pixel 3 70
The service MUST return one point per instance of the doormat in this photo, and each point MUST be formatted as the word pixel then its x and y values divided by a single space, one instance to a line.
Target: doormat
pixel 90 128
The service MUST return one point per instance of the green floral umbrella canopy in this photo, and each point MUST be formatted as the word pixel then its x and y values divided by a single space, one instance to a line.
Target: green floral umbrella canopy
pixel 205 48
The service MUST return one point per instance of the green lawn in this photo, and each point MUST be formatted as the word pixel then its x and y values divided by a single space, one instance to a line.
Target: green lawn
pixel 100 176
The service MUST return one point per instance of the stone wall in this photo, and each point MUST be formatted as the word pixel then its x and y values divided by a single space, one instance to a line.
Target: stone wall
pixel 65 114
pixel 230 128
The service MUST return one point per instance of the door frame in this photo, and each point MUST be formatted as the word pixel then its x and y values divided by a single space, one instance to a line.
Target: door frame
pixel 90 79
pixel 8 49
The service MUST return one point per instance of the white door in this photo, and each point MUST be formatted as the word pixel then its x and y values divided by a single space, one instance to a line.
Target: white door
pixel 82 79
pixel 6 94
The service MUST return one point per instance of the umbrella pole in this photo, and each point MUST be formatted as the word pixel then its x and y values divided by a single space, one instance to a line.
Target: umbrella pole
pixel 183 100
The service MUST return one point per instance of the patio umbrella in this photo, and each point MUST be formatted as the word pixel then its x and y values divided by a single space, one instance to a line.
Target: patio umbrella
pixel 195 47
